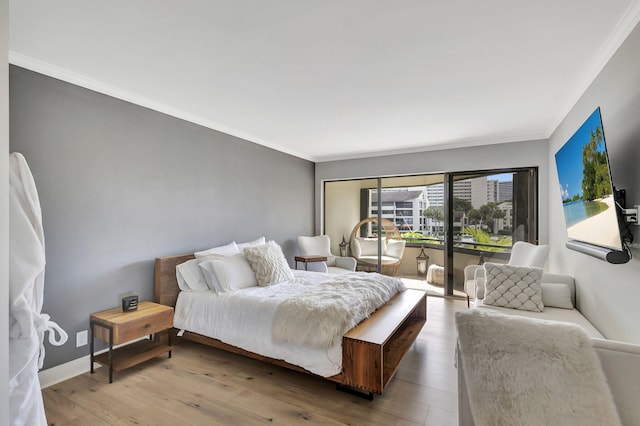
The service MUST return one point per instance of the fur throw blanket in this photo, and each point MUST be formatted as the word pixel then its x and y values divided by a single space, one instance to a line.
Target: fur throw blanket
pixel 322 315
pixel 524 371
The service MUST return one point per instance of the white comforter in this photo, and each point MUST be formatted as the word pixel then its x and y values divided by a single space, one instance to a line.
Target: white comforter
pixel 244 318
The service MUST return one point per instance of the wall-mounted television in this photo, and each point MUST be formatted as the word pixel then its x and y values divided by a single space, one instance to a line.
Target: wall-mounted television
pixel 588 195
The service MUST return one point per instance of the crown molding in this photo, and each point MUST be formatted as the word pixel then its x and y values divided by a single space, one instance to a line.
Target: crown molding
pixel 63 74
pixel 628 21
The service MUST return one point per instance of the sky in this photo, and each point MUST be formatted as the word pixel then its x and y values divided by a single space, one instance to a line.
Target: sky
pixel 569 157
pixel 504 177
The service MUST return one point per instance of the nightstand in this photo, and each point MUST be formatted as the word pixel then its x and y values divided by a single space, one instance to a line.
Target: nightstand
pixel 116 327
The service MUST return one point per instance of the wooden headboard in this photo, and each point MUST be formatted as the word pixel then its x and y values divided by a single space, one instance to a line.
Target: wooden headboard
pixel 166 284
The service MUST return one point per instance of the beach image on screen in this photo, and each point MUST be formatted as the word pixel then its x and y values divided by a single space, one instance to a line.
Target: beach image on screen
pixel 585 184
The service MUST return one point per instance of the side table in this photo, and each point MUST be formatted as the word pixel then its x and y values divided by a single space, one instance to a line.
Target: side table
pixel 117 327
pixel 307 259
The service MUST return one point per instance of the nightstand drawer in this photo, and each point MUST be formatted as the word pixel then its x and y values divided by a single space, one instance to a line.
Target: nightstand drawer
pixel 143 326
pixel 148 319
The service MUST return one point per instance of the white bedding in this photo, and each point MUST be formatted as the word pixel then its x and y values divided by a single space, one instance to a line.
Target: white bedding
pixel 244 318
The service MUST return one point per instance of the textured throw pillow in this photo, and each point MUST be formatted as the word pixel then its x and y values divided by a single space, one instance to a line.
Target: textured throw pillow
pixel 189 276
pixel 232 272
pixel 268 264
pixel 556 295
pixel 516 287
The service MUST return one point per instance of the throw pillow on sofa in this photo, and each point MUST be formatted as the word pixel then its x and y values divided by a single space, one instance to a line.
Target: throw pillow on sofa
pixel 556 295
pixel 516 287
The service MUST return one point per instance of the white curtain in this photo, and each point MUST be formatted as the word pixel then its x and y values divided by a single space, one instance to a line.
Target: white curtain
pixel 27 325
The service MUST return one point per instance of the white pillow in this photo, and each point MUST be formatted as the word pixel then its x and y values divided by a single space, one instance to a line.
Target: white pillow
pixel 516 287
pixel 258 242
pixel 226 250
pixel 233 272
pixel 395 248
pixel 556 295
pixel 215 253
pixel 355 248
pixel 190 277
pixel 369 246
pixel 206 268
pixel 268 263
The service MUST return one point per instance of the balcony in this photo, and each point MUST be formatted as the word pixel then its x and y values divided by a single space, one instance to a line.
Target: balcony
pixel 465 253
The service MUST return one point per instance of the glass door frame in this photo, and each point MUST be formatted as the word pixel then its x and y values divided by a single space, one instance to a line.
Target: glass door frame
pixel 532 214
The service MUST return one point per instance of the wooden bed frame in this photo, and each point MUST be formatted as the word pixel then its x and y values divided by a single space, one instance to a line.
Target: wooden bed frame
pixel 371 351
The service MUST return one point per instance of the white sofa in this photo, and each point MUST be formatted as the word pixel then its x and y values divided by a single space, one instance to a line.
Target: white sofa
pixel 620 361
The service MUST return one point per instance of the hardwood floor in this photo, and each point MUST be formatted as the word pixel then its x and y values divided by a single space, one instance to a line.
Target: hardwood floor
pixel 206 386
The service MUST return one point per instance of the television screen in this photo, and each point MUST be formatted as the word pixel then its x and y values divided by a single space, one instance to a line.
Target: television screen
pixel 586 188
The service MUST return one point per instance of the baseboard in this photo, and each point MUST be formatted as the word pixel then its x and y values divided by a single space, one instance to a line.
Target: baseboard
pixel 68 370
pixel 62 372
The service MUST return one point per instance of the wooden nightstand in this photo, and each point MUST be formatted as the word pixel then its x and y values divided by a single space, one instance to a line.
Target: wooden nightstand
pixel 117 327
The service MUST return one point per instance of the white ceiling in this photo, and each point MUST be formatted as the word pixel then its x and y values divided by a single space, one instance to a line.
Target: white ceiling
pixel 333 79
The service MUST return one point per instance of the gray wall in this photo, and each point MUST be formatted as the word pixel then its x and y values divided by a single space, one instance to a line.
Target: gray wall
pixel 607 294
pixel 523 154
pixel 4 211
pixel 120 185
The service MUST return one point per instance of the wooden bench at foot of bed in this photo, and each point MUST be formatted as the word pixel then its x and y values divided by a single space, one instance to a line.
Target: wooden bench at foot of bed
pixel 371 351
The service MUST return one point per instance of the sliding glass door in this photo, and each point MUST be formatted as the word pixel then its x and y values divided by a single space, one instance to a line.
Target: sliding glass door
pixel 389 211
pixel 489 211
pixel 449 220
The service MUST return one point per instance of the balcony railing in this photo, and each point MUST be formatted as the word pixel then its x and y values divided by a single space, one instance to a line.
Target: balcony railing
pixel 439 243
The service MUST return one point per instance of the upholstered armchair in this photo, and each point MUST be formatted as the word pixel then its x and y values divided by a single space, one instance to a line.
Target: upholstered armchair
pixel 321 246
pixel 522 254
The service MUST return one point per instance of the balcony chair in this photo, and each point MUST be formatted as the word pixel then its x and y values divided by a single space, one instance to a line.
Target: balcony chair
pixel 365 250
pixel 522 254
pixel 321 246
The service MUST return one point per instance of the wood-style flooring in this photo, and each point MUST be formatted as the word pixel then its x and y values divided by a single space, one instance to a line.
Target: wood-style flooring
pixel 206 386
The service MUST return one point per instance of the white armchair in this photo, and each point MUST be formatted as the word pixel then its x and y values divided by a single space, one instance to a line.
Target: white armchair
pixel 522 254
pixel 321 246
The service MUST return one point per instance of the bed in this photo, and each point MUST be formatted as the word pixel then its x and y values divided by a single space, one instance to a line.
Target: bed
pixel 368 355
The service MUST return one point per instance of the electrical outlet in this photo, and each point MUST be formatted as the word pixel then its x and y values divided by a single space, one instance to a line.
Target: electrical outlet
pixel 81 338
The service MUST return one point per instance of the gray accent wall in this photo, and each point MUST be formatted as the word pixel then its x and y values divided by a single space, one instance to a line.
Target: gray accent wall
pixel 121 185
pixel 607 294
